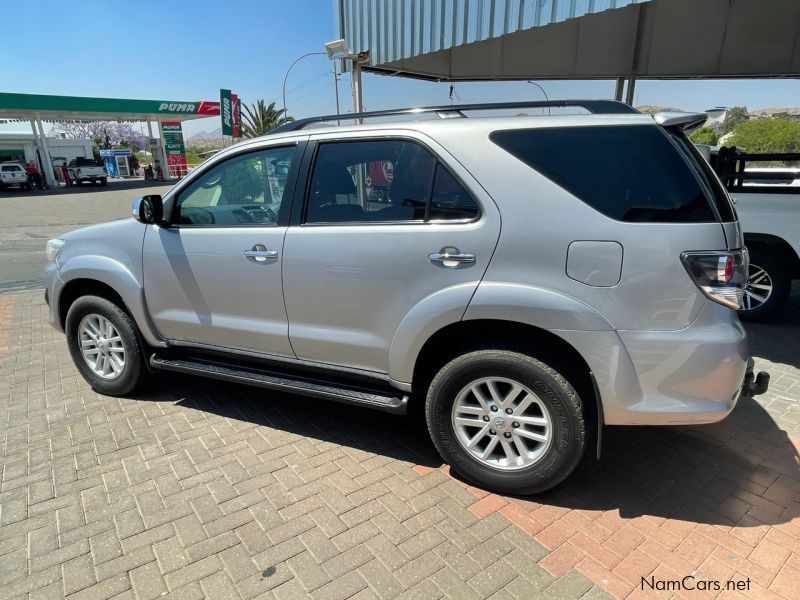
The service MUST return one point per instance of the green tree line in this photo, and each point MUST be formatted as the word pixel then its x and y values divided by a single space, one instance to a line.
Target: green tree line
pixel 775 135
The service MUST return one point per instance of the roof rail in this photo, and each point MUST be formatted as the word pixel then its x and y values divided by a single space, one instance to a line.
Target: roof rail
pixel 598 107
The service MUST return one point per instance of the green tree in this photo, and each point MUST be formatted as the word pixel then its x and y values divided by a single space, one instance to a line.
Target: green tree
pixel 259 119
pixel 767 135
pixel 734 116
pixel 705 135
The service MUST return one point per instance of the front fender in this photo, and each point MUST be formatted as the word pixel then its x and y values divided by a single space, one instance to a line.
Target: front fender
pixel 118 277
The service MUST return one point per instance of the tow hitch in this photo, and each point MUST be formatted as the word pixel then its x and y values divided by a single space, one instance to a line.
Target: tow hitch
pixel 754 385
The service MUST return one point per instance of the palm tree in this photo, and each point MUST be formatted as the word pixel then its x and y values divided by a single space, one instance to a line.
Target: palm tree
pixel 260 119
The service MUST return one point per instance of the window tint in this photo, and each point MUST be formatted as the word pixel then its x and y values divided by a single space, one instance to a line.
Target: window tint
pixel 628 173
pixel 382 181
pixel 450 201
pixel 245 190
pixel 11 168
pixel 370 181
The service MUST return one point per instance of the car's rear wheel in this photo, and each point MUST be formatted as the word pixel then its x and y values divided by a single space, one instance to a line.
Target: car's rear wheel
pixel 768 285
pixel 506 421
pixel 104 181
pixel 105 346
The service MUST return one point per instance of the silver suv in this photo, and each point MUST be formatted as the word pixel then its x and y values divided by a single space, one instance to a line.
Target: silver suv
pixel 526 280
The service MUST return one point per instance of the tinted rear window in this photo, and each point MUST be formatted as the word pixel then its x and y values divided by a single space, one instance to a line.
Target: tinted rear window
pixel 707 176
pixel 628 173
pixel 88 162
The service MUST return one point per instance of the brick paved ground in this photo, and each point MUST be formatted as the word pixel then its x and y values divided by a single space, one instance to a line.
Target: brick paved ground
pixel 210 490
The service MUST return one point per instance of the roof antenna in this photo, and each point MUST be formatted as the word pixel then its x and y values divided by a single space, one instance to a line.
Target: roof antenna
pixel 452 92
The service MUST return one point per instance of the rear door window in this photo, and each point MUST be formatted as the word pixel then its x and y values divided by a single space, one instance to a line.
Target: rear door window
pixel 383 181
pixel 630 173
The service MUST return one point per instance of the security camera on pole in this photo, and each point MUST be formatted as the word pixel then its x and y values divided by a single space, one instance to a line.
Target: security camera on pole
pixel 337 49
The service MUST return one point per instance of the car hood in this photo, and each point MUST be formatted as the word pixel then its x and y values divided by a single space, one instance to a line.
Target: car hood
pixel 118 230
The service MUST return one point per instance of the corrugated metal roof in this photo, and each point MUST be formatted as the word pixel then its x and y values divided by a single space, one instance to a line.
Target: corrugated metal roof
pixel 573 39
pixel 397 29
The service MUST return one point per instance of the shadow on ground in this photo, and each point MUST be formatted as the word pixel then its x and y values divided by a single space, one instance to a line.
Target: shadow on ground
pixel 713 474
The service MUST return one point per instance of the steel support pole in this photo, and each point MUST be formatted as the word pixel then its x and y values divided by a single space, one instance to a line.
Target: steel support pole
pixel 629 96
pixel 619 88
pixel 357 98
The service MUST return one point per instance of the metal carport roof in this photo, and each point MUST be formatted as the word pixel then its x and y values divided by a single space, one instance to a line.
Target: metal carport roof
pixel 576 39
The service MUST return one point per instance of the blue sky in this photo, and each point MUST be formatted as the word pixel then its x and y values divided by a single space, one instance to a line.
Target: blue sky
pixel 180 50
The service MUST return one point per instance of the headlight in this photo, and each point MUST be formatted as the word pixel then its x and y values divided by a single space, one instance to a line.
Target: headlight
pixel 53 247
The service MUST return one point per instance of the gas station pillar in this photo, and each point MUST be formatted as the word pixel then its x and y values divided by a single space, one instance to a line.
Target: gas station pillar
pixel 44 149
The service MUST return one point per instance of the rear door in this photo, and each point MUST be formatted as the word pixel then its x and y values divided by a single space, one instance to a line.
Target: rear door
pixel 387 222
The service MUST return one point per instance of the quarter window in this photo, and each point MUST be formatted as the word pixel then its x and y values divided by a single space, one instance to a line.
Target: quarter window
pixel 629 173
pixel 244 190
pixel 385 181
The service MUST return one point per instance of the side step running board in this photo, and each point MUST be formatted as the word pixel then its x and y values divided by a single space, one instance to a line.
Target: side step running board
pixel 273 381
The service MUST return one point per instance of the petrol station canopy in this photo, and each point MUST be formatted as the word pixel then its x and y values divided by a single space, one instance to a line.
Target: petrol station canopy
pixel 23 107
pixel 37 109
pixel 463 40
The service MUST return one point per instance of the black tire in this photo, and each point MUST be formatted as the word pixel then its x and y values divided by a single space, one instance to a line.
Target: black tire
pixel 566 410
pixel 781 285
pixel 134 373
pixel 103 181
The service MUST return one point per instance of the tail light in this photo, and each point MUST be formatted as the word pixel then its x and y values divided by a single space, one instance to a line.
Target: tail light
pixel 721 276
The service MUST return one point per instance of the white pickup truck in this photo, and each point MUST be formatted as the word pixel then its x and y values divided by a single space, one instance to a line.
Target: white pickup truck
pixel 768 204
pixel 87 169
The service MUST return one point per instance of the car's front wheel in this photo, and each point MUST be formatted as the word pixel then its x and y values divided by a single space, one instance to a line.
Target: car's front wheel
pixel 506 421
pixel 105 346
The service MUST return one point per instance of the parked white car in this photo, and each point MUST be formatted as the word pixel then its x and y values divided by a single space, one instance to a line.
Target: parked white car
pixel 768 204
pixel 13 175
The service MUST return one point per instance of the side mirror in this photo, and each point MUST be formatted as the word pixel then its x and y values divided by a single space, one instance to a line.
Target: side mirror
pixel 148 209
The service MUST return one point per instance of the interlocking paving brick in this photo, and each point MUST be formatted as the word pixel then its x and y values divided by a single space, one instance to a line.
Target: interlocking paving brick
pixel 77 574
pixel 147 582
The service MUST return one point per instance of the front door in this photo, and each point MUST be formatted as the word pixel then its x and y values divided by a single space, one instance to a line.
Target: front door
pixel 386 225
pixel 214 276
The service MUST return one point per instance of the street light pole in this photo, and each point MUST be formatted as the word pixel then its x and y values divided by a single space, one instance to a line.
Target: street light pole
pixel 545 94
pixel 285 77
pixel 336 86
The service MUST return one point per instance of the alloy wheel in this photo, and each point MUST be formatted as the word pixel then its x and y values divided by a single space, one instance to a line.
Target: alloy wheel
pixel 758 288
pixel 502 423
pixel 101 346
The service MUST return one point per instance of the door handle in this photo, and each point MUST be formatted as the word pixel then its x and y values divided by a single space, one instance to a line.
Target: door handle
pixel 260 254
pixel 452 257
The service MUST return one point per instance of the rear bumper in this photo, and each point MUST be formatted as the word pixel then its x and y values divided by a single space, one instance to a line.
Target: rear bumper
pixel 690 376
